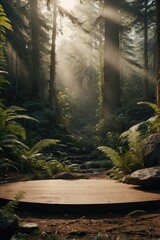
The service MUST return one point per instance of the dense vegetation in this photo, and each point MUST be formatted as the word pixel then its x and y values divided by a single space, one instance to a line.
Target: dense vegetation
pixel 70 82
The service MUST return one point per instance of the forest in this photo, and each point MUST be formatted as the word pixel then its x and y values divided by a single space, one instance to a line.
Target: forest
pixel 79 88
pixel 68 101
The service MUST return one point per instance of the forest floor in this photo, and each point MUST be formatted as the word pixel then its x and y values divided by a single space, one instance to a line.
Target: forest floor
pixel 100 227
pixel 109 226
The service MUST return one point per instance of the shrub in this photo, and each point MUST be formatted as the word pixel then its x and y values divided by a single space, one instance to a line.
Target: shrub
pixel 129 160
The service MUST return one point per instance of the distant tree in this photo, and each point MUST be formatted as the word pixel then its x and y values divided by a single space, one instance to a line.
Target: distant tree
pixel 145 20
pixel 17 50
pixel 158 52
pixel 35 49
pixel 111 92
pixel 52 93
pixel 138 50
pixel 146 50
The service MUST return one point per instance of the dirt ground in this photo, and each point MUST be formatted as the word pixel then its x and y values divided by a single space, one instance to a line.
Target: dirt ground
pixel 109 226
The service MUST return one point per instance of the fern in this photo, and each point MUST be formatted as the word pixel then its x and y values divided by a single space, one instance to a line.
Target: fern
pixel 11 206
pixel 43 144
pixel 10 140
pixel 152 105
pixel 136 212
pixel 4 22
pixel 129 160
pixel 6 165
pixel 112 154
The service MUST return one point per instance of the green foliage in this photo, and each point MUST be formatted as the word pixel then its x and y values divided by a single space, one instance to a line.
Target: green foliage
pixel 8 121
pixel 126 150
pixel 151 105
pixel 14 154
pixel 42 144
pixel 11 206
pixel 33 159
pixel 4 24
pixel 148 126
pixel 11 135
pixel 129 160
pixel 101 164
pixel 10 129
pixel 136 212
pixel 7 165
pixel 43 170
pixel 152 124
pixel 45 127
pixel 121 121
pixel 64 103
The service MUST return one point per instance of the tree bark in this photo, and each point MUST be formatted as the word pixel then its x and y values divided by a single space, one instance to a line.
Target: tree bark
pixel 158 53
pixel 35 51
pixel 111 92
pixel 52 84
pixel 146 51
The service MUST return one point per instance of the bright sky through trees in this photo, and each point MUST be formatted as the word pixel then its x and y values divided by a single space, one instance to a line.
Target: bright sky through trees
pixel 68 4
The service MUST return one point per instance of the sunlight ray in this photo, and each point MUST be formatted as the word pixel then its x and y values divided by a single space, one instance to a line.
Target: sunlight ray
pixel 68 4
pixel 112 14
pixel 140 71
pixel 115 14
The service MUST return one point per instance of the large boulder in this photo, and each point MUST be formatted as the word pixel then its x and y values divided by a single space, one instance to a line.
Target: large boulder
pixel 147 177
pixel 151 150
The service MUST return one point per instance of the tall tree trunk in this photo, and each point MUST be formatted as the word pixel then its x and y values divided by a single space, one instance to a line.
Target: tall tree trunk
pixel 146 51
pixel 111 92
pixel 35 53
pixel 52 87
pixel 158 53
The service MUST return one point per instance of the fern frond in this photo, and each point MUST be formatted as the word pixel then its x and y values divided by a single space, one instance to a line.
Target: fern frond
pixel 16 129
pixel 152 105
pixel 10 140
pixel 43 144
pixel 4 21
pixel 12 114
pixel 112 154
pixel 133 140
pixel 11 206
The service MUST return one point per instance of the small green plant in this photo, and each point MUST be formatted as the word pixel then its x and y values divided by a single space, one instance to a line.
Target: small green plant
pixel 7 165
pixel 129 160
pixel 34 159
pixel 12 135
pixel 11 206
pixel 153 123
pixel 135 213
pixel 4 24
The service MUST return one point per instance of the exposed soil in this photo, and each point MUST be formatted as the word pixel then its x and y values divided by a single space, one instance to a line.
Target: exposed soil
pixel 140 226
pixel 112 227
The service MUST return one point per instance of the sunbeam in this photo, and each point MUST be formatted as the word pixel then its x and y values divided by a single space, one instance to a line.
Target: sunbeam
pixel 68 4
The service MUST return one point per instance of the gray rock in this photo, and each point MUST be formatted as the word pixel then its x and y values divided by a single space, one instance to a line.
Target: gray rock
pixel 28 227
pixel 151 150
pixel 8 224
pixel 147 177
